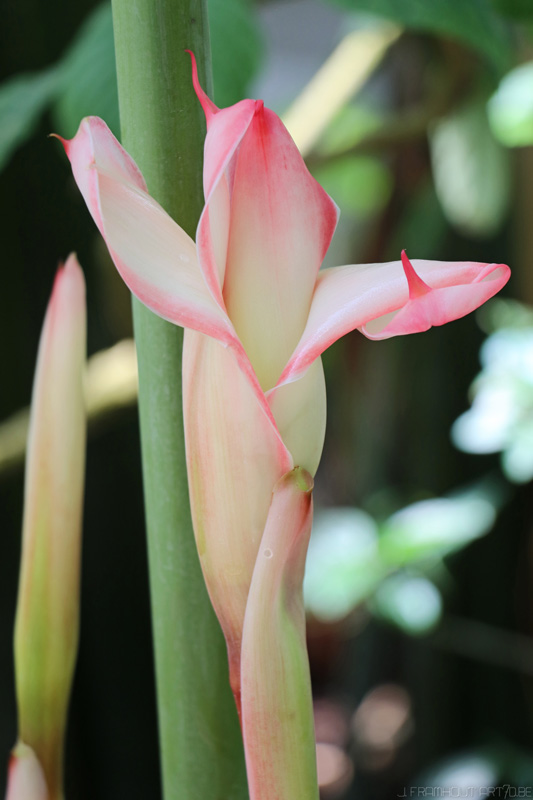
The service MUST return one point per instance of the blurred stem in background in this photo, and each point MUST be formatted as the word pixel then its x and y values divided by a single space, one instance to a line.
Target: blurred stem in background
pixel 341 77
pixel 162 127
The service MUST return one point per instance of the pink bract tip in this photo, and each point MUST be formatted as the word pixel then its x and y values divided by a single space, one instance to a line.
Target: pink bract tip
pixel 64 142
pixel 417 287
pixel 210 109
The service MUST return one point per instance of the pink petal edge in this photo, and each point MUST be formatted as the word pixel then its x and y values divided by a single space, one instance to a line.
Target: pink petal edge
pixel 355 296
pixel 156 259
pixel 209 108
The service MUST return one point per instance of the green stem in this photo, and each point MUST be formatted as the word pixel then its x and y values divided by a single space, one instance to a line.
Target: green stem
pixel 163 129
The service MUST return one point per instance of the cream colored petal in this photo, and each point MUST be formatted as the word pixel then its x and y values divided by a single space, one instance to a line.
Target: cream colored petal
pixel 281 225
pixel 277 710
pixel 299 409
pixel 234 458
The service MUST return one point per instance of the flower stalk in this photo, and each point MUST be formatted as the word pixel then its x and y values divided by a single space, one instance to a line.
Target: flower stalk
pixel 163 127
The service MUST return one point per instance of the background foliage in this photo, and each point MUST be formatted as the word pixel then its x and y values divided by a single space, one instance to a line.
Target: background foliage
pixel 419 571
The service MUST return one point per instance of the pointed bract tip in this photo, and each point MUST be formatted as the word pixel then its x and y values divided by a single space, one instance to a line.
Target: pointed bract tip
pixel 209 108
pixel 72 264
pixel 64 142
pixel 57 278
pixel 259 109
pixel 417 287
pixel 69 281
pixel 69 267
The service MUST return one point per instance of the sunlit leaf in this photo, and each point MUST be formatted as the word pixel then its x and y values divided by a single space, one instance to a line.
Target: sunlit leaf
pixel 497 768
pixel 472 171
pixel 463 773
pixel 485 427
pixel 511 351
pixel 434 528
pixel 511 107
pixel 411 602
pixel 500 418
pixel 343 566
pixel 517 459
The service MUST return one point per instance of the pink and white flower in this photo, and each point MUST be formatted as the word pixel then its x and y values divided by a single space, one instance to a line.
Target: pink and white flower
pixel 259 312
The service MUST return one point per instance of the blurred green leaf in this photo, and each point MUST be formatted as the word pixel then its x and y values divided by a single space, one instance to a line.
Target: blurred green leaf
pixel 423 226
pixel 504 313
pixel 510 108
pixel 520 767
pixel 22 101
pixel 349 126
pixel 410 602
pixel 89 76
pixel 237 48
pixel 350 560
pixel 84 81
pixel 517 458
pixel 361 185
pixel 472 172
pixel 517 9
pixel 471 21
pixel 432 529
